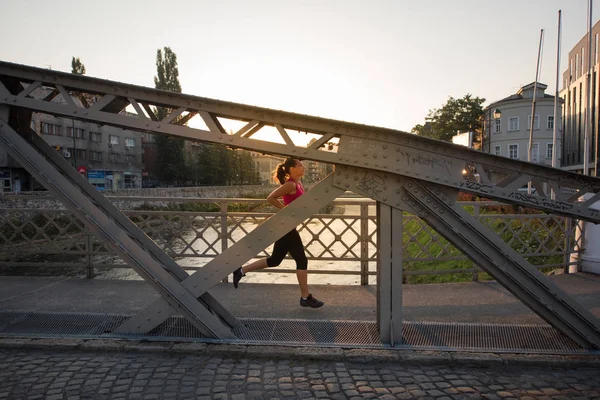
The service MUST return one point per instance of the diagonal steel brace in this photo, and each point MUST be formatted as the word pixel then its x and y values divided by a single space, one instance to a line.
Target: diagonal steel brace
pixel 436 205
pixel 433 203
pixel 126 224
pixel 235 256
pixel 102 225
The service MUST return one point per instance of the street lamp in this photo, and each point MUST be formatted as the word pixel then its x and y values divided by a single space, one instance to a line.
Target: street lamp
pixel 496 114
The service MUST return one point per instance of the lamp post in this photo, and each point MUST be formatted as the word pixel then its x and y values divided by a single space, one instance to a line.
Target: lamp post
pixel 497 114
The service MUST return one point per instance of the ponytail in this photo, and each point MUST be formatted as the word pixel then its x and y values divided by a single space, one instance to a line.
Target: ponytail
pixel 283 169
pixel 279 174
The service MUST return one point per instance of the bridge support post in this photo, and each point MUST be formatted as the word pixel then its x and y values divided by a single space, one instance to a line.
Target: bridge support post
pixel 590 259
pixel 389 274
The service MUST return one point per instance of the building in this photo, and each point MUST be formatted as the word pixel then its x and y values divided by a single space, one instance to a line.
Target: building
pixel 507 125
pixel 264 165
pixel 108 157
pixel 316 171
pixel 464 139
pixel 13 177
pixel 574 93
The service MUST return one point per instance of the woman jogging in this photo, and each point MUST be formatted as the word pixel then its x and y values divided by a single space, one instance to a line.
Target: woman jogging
pixel 288 174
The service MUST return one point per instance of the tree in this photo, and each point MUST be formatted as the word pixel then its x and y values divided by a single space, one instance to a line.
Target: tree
pixel 456 115
pixel 77 66
pixel 167 71
pixel 246 166
pixel 170 157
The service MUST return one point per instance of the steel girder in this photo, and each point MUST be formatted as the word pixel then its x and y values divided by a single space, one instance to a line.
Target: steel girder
pixel 107 207
pixel 359 145
pixel 389 273
pixel 104 220
pixel 239 253
pixel 435 204
pixel 382 152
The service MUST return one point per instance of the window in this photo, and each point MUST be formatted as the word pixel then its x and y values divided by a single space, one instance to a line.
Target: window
pixel 95 155
pixel 535 152
pixel 536 122
pixel 79 133
pixel 513 151
pixel 129 142
pixel 129 181
pixel 582 58
pixel 549 149
pixel 497 126
pixel 576 65
pixel 95 137
pixel 113 140
pixel 81 154
pixel 513 124
pixel 114 157
pixel 130 158
pixel 550 122
pixel 497 151
pixel 50 129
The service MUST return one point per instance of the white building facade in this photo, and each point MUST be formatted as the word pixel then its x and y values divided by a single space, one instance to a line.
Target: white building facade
pixel 508 135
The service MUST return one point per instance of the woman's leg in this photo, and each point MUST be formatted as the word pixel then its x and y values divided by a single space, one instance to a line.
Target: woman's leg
pixel 299 255
pixel 279 251
pixel 302 276
pixel 258 264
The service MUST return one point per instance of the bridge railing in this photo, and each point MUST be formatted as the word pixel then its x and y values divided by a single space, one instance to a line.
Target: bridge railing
pixel 341 241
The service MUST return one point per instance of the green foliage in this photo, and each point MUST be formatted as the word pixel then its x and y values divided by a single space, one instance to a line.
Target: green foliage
pixel 77 66
pixel 167 71
pixel 456 115
pixel 218 165
pixel 524 235
pixel 205 164
pixel 171 159
pixel 171 155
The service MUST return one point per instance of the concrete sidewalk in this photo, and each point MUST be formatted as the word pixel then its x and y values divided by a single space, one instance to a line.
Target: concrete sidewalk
pixel 473 302
pixel 58 368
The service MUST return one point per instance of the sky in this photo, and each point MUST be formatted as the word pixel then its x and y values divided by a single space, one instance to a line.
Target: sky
pixel 378 62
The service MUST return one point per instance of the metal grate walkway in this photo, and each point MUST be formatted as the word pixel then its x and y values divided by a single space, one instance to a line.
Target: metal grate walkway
pixel 417 335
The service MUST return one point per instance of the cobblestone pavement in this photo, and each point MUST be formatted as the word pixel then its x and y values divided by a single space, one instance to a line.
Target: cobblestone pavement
pixel 77 374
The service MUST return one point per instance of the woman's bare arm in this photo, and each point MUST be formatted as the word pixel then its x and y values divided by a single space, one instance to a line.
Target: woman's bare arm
pixel 286 188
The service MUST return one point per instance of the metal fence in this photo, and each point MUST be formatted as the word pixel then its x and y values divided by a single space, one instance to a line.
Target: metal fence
pixel 342 240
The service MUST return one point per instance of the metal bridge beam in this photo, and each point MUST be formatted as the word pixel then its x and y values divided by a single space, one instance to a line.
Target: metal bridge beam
pixel 384 153
pixel 239 253
pixel 126 224
pixel 359 145
pixel 437 205
pixel 389 273
pixel 55 177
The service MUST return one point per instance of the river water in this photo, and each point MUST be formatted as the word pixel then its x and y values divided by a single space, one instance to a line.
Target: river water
pixel 318 235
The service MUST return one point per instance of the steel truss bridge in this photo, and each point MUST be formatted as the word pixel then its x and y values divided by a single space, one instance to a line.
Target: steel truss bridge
pixel 402 172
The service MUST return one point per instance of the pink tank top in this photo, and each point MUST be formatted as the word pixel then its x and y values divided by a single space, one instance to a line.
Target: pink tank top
pixel 288 198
